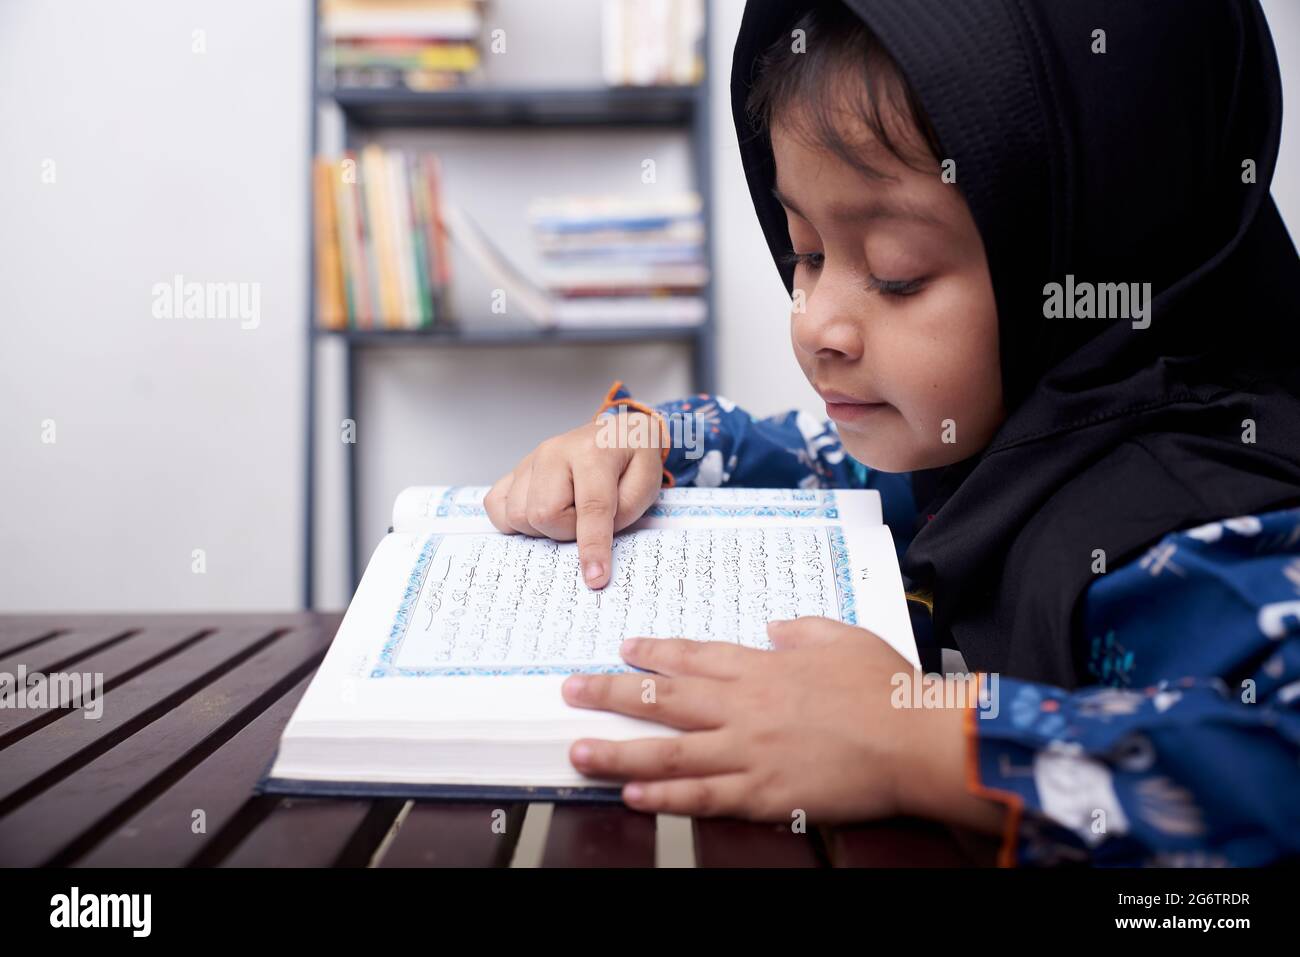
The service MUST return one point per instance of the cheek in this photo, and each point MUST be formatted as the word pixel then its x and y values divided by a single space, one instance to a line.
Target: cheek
pixel 947 366
pixel 805 360
pixel 964 384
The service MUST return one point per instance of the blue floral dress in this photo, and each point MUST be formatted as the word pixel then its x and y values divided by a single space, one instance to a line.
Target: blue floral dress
pixel 1185 751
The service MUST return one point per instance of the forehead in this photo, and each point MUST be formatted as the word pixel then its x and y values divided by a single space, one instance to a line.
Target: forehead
pixel 817 182
pixel 869 121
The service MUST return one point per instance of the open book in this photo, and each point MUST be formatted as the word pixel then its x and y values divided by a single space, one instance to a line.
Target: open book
pixel 444 678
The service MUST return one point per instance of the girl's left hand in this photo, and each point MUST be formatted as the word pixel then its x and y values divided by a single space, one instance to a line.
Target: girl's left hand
pixel 809 726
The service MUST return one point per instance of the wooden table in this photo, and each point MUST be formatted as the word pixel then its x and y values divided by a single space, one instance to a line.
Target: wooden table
pixel 193 709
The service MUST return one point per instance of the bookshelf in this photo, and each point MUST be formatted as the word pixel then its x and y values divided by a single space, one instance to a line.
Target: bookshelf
pixel 363 111
pixel 490 107
pixel 486 335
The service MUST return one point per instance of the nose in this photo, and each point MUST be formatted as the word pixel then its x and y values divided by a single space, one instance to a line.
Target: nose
pixel 828 326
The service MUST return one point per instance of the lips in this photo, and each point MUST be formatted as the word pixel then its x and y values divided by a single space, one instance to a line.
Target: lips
pixel 842 407
pixel 836 397
pixel 843 398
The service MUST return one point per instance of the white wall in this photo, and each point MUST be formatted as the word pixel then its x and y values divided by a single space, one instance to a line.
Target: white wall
pixel 173 435
pixel 1284 23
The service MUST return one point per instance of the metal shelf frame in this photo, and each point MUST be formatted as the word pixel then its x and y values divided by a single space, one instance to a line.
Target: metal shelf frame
pixel 684 107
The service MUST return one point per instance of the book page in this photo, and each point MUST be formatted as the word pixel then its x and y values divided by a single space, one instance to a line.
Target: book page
pixel 459 508
pixel 511 604
pixel 479 631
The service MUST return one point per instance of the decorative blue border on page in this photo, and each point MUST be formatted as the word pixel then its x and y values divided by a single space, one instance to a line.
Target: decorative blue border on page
pixel 385 666
pixel 820 503
pixel 827 508
pixel 402 620
pixel 742 511
pixel 842 573
pixel 450 509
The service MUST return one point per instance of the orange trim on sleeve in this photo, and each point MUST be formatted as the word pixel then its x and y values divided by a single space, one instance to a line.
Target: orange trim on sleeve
pixel 664 431
pixel 609 396
pixel 1015 805
pixel 923 598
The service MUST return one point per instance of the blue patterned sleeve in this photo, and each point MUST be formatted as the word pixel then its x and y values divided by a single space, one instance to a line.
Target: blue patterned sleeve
pixel 1186 751
pixel 716 443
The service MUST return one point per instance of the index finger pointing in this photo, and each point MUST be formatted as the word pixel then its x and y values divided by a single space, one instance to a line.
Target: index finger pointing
pixel 494 502
pixel 595 500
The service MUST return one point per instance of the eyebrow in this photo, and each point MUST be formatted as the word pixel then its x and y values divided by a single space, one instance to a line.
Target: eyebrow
pixel 866 210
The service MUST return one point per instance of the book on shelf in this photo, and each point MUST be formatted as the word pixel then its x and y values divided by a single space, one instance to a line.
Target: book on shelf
pixel 384 235
pixel 627 279
pixel 652 42
pixel 579 296
pixel 382 260
pixel 444 677
pixel 606 312
pixel 331 306
pixel 416 45
pixel 522 296
pixel 633 259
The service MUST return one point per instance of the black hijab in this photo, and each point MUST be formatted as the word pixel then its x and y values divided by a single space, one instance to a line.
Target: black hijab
pixel 1123 166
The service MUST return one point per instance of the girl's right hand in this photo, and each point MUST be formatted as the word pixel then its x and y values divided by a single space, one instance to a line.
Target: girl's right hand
pixel 575 486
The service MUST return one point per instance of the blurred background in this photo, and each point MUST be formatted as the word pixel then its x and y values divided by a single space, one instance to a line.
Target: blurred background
pixel 452 225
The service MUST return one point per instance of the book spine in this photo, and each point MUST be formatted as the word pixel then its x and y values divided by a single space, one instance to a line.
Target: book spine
pixel 329 279
pixel 351 194
pixel 402 239
pixel 419 234
pixel 441 253
pixel 373 306
pixel 420 184
pixel 342 205
pixel 377 194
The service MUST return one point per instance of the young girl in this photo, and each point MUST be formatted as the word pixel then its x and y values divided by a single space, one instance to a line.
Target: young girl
pixel 1039 281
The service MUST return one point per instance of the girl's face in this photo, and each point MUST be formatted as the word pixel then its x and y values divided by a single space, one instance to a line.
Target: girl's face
pixel 897 329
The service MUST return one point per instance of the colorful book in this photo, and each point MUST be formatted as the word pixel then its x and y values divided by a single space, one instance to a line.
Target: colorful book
pixel 330 300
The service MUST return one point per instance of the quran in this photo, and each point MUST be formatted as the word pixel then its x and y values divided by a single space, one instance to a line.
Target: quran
pixel 444 677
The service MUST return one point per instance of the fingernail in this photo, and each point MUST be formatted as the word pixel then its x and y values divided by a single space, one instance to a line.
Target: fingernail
pixel 593 571
pixel 575 684
pixel 628 647
pixel 633 792
pixel 778 622
pixel 582 754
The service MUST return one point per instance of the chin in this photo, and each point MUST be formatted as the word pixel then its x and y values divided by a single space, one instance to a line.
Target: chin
pixel 880 454
pixel 894 455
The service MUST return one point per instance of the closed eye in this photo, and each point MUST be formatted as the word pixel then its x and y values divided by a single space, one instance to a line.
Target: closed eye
pixel 886 287
pixel 895 287
pixel 813 261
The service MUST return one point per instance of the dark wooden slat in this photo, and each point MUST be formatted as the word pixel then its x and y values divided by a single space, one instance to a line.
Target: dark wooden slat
pixel 65 650
pixel 117 662
pixel 18 631
pixel 899 842
pixel 16 636
pixel 599 835
pixel 455 835
pixel 161 833
pixel 177 708
pixel 316 832
pixel 40 759
pixel 35 623
pixel 191 723
pixel 726 842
